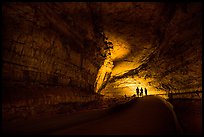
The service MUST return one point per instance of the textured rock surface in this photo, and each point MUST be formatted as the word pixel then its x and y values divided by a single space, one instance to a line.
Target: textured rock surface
pixel 108 47
pixel 41 48
pixel 164 43
pixel 48 45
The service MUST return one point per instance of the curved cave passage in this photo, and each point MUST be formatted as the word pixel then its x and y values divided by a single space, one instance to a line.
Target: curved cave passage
pixel 63 58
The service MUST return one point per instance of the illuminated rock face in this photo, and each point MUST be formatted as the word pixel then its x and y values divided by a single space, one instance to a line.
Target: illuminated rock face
pixel 164 43
pixel 152 45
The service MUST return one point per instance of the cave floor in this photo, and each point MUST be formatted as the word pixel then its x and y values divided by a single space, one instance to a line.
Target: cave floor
pixel 189 114
pixel 145 115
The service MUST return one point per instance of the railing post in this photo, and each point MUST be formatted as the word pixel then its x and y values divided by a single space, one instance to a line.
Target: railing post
pixel 170 95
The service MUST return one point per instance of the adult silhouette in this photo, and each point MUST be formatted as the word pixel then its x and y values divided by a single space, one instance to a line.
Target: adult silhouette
pixel 141 92
pixel 137 91
pixel 145 91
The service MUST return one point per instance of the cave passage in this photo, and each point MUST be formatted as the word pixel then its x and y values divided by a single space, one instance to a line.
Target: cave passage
pixel 59 59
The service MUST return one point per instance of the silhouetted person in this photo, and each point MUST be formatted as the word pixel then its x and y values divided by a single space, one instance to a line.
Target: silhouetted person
pixel 137 91
pixel 145 91
pixel 141 92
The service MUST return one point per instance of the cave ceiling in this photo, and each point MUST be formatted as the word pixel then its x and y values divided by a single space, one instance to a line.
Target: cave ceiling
pixel 152 45
pixel 157 45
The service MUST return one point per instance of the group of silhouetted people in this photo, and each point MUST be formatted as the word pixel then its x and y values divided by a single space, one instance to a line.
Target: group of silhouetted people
pixel 139 92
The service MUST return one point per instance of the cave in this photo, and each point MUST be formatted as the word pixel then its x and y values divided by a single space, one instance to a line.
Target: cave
pixel 62 60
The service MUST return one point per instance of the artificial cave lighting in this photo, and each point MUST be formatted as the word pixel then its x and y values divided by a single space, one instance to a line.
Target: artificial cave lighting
pixel 127 86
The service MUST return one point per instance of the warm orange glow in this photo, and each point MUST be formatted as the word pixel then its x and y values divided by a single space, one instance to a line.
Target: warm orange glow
pixel 103 71
pixel 127 86
pixel 130 62
pixel 120 50
pixel 120 47
pixel 124 67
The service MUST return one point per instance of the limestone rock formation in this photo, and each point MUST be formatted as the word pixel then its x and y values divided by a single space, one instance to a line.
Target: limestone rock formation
pixel 106 48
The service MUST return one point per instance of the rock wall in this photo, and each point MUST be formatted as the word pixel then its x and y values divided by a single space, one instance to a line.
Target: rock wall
pixel 166 45
pixel 36 51
pixel 180 51
pixel 47 45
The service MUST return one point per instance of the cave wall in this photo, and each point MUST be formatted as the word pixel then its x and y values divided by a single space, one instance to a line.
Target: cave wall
pixel 166 46
pixel 36 51
pixel 177 63
pixel 45 46
pixel 53 51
